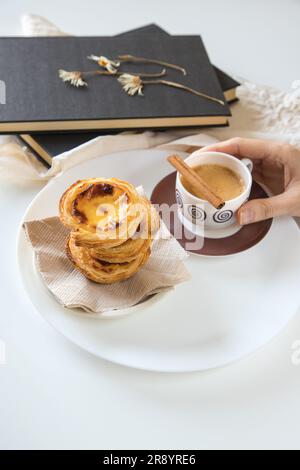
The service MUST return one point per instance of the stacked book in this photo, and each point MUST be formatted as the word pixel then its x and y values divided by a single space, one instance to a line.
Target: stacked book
pixel 52 116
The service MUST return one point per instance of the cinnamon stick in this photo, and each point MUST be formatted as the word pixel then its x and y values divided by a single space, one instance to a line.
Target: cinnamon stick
pixel 200 188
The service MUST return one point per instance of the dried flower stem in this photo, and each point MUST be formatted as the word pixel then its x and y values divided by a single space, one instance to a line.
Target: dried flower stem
pixel 131 58
pixel 77 78
pixel 118 74
pixel 183 87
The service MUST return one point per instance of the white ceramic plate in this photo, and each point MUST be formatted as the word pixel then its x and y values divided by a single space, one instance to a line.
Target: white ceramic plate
pixel 230 307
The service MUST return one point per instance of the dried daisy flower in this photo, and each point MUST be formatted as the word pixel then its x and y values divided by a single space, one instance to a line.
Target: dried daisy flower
pixel 132 84
pixel 75 77
pixel 110 65
pixel 113 65
pixel 144 60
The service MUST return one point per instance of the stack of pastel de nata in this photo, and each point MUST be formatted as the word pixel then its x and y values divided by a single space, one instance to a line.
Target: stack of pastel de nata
pixel 112 228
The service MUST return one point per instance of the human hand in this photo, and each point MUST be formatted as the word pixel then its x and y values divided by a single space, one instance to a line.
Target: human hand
pixel 276 165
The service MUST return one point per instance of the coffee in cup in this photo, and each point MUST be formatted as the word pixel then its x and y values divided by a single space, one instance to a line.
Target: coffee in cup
pixel 224 182
pixel 228 177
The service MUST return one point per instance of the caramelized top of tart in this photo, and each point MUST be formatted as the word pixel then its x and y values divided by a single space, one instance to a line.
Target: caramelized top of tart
pixel 101 206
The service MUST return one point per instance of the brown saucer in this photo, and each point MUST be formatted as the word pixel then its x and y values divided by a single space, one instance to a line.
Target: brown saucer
pixel 248 236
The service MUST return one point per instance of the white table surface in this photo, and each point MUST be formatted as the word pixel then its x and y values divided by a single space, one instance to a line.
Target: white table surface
pixel 53 395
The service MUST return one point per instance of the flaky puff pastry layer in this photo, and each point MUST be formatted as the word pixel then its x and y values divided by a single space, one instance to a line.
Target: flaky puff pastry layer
pixel 100 271
pixel 132 247
pixel 104 211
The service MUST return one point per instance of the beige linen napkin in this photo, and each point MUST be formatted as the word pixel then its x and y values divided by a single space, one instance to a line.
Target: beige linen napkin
pixel 164 269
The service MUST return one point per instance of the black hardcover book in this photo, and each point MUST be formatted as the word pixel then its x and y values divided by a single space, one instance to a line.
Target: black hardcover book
pixel 38 100
pixel 228 84
pixel 46 145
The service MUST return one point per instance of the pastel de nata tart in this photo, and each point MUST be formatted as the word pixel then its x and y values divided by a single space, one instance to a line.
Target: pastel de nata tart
pixel 139 242
pixel 127 251
pixel 103 211
pixel 101 271
pixel 112 228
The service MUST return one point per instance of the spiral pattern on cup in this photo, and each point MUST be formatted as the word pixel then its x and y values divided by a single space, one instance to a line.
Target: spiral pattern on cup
pixel 197 213
pixel 222 216
pixel 178 199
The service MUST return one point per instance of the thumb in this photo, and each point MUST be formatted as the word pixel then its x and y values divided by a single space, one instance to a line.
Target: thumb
pixel 262 209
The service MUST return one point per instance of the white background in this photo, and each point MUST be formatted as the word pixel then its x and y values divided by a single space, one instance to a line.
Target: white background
pixel 52 394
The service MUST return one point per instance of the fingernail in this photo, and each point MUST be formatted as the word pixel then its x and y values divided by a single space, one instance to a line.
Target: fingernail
pixel 247 216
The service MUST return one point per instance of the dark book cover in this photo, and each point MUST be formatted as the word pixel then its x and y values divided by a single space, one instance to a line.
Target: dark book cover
pixel 48 145
pixel 228 84
pixel 38 100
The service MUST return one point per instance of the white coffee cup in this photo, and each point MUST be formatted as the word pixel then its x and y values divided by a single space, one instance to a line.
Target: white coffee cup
pixel 198 215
